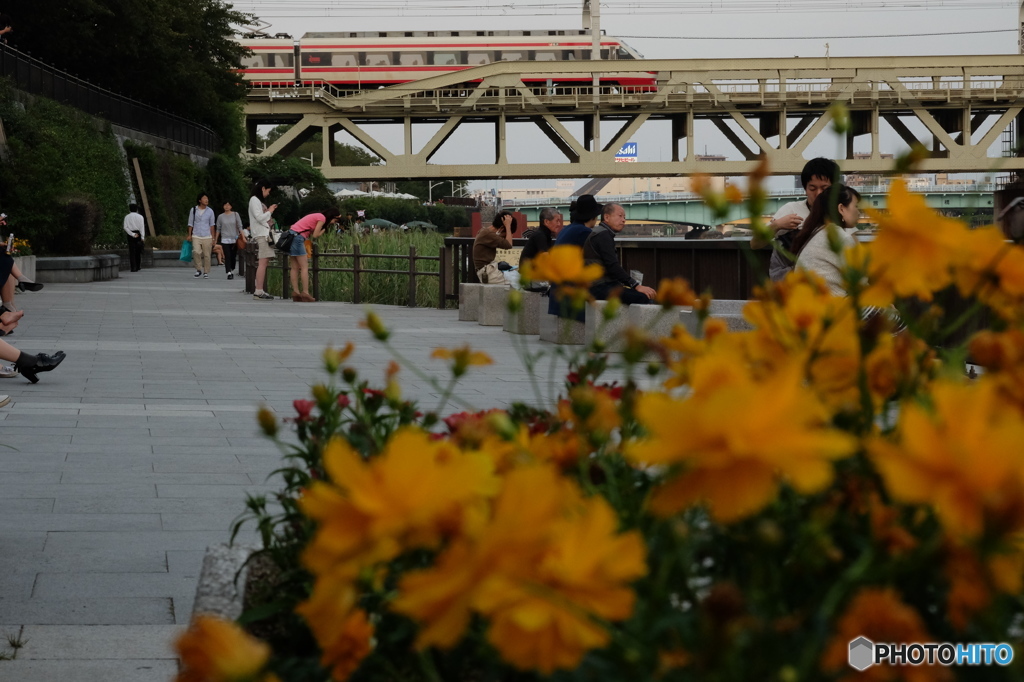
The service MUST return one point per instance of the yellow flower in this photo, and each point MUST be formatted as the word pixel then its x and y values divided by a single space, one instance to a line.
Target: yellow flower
pixel 563 264
pixel 881 616
pixel 1002 356
pixel 344 633
pixel 462 358
pixel 677 291
pixel 964 458
pixel 993 270
pixel 333 358
pixel 916 248
pixel 591 410
pixel 733 194
pixel 546 570
pixel 376 326
pixel 215 650
pixel 735 465
pixel 409 496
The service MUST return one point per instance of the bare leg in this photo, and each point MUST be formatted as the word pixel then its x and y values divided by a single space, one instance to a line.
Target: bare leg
pixel 7 292
pixel 8 352
pixel 304 273
pixel 293 271
pixel 261 273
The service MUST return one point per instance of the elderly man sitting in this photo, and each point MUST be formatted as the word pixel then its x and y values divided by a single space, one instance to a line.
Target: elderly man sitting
pixel 600 248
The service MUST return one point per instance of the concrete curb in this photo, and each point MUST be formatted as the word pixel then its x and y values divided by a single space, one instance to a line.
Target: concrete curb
pixel 221 589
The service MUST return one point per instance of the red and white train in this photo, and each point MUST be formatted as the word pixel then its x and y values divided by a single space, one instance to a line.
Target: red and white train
pixel 374 59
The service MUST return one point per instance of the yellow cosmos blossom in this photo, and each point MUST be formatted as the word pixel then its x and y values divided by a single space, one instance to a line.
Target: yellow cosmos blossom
pixel 736 465
pixel 215 650
pixel 916 248
pixel 677 291
pixel 993 270
pixel 548 569
pixel 964 458
pixel 563 264
pixel 462 358
pixel 343 632
pixel 409 496
pixel 591 411
pixel 1002 356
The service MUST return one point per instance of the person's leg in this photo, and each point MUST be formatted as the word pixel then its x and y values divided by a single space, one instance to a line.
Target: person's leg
pixel 633 297
pixel 229 257
pixel 207 254
pixel 261 273
pixel 293 275
pixel 303 273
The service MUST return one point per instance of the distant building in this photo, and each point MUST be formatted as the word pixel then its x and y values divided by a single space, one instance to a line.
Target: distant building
pixel 867 179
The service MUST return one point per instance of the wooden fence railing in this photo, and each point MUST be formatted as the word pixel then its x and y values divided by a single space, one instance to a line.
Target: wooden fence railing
pixel 357 257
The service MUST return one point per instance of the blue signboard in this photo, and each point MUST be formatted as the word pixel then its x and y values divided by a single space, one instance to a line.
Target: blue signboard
pixel 627 153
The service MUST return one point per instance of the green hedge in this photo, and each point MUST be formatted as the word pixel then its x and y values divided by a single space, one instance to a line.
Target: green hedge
pixel 63 185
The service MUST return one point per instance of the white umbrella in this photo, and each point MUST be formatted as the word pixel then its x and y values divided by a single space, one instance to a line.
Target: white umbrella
pixel 350 193
pixel 407 196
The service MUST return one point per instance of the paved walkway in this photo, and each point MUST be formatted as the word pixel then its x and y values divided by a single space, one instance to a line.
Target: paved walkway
pixel 136 453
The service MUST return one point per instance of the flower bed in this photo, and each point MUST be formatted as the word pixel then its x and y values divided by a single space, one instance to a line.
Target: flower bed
pixel 785 491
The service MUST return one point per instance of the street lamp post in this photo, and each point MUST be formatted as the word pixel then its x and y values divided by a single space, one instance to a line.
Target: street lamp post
pixel 430 190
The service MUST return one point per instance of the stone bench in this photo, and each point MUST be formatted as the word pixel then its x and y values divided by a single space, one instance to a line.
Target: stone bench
pixel 731 311
pixel 77 269
pixel 493 305
pixel 527 319
pixel 651 318
pixel 469 301
pixel 555 329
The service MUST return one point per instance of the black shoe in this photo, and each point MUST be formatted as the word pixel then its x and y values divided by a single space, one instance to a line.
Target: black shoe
pixel 31 365
pixel 29 286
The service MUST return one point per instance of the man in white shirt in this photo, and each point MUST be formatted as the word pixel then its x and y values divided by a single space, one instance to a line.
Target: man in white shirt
pixel 817 176
pixel 135 228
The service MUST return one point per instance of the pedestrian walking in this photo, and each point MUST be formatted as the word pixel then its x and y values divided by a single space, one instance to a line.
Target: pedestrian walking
pixel 135 228
pixel 260 216
pixel 229 226
pixel 202 232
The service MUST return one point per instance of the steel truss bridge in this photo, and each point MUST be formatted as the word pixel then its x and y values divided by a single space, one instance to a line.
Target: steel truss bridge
pixel 770 107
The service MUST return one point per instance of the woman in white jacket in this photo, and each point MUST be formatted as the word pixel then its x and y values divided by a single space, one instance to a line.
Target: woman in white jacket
pixel 259 227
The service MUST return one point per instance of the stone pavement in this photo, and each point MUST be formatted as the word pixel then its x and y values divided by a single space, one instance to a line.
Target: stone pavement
pixel 135 454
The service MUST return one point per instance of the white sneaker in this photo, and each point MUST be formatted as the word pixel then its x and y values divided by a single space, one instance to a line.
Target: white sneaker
pixel 197 274
pixel 231 275
pixel 206 275
pixel 8 371
pixel 4 399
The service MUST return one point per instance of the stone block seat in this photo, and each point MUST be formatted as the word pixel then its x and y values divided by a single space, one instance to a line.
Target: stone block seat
pixel 492 306
pixel 526 320
pixel 555 329
pixel 469 301
pixel 651 318
pixel 729 310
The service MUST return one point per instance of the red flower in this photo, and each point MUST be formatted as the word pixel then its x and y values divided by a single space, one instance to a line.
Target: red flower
pixel 303 407
pixel 373 392
pixel 343 401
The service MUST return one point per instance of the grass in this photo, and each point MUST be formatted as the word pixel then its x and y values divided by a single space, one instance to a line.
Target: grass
pixel 382 289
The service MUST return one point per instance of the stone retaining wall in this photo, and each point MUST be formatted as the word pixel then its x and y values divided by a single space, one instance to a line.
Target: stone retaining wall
pixel 77 269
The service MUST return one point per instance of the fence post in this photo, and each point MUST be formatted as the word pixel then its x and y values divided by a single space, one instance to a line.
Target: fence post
pixel 356 298
pixel 412 276
pixel 442 272
pixel 316 272
pixel 285 281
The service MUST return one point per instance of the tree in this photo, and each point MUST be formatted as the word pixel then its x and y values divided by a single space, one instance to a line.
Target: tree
pixel 177 55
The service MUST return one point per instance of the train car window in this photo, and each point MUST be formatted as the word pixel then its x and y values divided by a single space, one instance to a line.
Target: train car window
pixel 430 34
pixel 446 58
pixel 408 34
pixel 552 33
pixel 604 54
pixel 352 35
pixel 287 59
pixel 476 58
pixel 481 33
pixel 527 33
pixel 345 59
pixel 513 56
pixel 378 59
pixel 412 58
pixel 382 34
pixel 317 59
pixel 568 55
pixel 624 53
pixel 455 34
pixel 546 56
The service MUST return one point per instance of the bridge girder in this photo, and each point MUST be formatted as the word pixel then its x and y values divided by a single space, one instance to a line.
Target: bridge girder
pixel 779 105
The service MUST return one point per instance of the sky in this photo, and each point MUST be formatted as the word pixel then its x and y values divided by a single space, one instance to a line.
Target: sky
pixel 731 30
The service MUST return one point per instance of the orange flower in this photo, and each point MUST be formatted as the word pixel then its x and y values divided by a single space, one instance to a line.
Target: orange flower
pixel 563 264
pixel 334 357
pixel 215 650
pixel 677 291
pixel 736 465
pixel 462 358
pixel 993 270
pixel 881 616
pixel 915 250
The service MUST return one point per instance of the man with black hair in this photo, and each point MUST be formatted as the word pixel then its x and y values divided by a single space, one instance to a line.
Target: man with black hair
pixel 135 228
pixel 583 214
pixel 817 176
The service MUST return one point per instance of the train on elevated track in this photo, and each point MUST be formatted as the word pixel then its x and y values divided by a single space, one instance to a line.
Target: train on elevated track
pixel 359 60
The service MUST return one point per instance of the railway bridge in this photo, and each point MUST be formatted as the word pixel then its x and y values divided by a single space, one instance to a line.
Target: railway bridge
pixel 774 107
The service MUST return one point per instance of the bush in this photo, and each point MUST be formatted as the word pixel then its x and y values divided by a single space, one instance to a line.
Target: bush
pixel 58 155
pixel 402 211
pixel 770 496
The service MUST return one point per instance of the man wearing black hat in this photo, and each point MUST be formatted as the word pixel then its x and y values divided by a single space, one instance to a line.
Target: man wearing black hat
pixel 584 217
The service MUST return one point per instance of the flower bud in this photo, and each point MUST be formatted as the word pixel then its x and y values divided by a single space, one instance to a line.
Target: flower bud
pixel 267 421
pixel 349 375
pixel 515 300
pixel 322 394
pixel 376 326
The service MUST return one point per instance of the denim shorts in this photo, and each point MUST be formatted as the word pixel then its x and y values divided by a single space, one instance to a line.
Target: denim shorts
pixel 298 245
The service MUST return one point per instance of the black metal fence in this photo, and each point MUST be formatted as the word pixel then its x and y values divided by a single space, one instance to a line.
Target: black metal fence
pixel 35 77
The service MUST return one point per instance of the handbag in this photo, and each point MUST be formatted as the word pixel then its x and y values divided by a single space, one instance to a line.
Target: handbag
pixel 284 242
pixel 490 274
pixel 241 242
pixel 186 252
